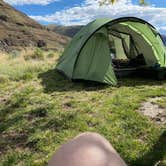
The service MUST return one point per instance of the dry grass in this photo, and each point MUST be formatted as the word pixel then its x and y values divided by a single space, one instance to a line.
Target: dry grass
pixel 23 66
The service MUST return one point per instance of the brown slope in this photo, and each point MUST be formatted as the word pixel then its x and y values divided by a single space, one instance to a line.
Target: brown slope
pixel 18 31
pixel 69 31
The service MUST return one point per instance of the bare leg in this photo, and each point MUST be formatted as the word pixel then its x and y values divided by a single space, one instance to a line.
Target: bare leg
pixel 87 149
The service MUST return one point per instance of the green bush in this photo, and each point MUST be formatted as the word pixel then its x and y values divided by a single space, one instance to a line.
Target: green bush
pixel 26 76
pixel 50 55
pixel 38 54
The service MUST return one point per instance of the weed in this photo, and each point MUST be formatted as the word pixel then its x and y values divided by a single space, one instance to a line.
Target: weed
pixel 50 55
pixel 37 54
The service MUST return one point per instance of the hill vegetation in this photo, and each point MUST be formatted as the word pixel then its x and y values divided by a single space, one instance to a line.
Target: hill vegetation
pixel 69 31
pixel 40 110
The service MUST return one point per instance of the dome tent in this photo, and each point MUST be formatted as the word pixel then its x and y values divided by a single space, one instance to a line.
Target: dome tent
pixel 88 57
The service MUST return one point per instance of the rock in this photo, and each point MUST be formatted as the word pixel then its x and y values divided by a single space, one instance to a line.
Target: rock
pixel 3 18
pixel 41 43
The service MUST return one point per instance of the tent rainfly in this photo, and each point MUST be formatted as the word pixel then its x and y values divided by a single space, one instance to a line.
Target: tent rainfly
pixel 92 53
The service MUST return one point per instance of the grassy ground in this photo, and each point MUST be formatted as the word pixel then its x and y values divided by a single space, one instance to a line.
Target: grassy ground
pixel 161 102
pixel 40 110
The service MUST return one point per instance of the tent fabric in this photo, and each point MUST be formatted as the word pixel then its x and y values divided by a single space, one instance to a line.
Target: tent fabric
pixel 150 44
pixel 88 54
pixel 69 57
pixel 95 52
pixel 120 53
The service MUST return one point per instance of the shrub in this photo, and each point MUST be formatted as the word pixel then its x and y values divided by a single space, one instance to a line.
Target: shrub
pixel 37 55
pixel 26 76
pixel 50 55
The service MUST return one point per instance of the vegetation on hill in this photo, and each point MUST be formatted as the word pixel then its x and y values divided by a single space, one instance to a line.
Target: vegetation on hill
pixel 69 31
pixel 18 31
pixel 40 110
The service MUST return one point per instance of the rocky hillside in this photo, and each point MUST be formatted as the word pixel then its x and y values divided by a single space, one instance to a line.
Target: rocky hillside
pixel 69 31
pixel 17 31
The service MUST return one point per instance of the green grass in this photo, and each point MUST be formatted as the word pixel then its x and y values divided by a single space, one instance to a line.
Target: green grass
pixel 40 113
pixel 161 102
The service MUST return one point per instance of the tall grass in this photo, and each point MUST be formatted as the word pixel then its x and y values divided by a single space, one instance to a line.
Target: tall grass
pixel 23 66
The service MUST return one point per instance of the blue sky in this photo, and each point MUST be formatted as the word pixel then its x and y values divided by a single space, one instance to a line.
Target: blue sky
pixel 72 12
pixel 48 9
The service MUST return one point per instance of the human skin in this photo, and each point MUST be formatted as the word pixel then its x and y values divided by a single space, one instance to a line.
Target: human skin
pixel 87 149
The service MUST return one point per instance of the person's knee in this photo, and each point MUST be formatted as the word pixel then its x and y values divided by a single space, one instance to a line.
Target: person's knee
pixel 86 149
pixel 89 134
pixel 95 139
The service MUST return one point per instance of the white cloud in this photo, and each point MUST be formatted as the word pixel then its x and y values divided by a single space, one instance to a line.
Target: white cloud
pixel 90 9
pixel 29 2
pixel 162 29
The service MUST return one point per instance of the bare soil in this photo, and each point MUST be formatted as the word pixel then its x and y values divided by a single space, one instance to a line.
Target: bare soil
pixel 154 111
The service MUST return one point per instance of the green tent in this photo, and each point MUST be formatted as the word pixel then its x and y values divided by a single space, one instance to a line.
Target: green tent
pixel 90 54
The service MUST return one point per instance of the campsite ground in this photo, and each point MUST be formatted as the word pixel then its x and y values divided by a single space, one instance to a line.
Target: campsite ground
pixel 40 110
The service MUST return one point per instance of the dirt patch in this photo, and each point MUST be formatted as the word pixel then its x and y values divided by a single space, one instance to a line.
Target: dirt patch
pixel 13 140
pixel 154 111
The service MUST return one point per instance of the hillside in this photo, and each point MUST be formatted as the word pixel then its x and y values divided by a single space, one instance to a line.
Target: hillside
pixel 69 31
pixel 17 31
pixel 164 37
